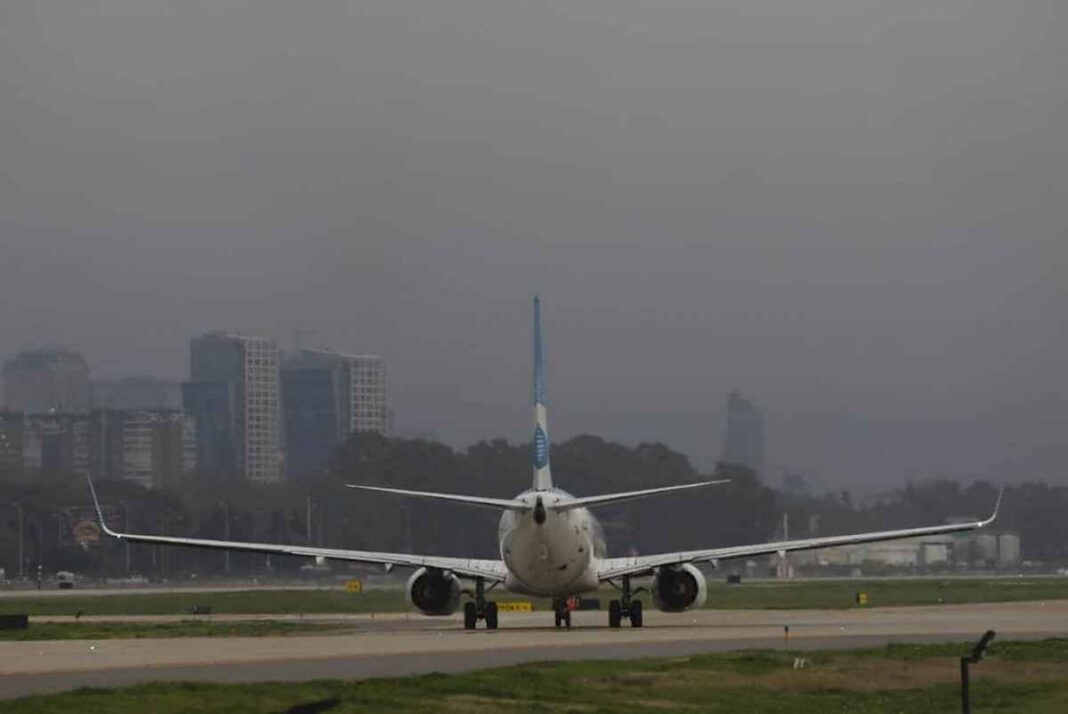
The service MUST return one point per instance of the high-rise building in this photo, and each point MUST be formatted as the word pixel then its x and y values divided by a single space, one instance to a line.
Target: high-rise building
pixel 743 443
pixel 328 395
pixel 56 443
pixel 46 380
pixel 211 416
pixel 11 431
pixel 311 412
pixel 140 445
pixel 363 395
pixel 233 395
pixel 143 445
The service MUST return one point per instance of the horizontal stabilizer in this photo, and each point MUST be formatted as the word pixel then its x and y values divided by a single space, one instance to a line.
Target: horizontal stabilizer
pixel 587 501
pixel 501 504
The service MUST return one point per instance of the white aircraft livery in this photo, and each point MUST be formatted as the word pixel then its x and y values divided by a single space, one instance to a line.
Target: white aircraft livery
pixel 551 545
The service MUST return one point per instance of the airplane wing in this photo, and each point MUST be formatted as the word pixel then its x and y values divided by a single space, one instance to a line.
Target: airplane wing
pixel 492 570
pixel 645 564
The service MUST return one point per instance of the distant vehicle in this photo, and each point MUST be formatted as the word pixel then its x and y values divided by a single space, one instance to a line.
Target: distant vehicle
pixel 550 546
pixel 315 569
pixel 65 580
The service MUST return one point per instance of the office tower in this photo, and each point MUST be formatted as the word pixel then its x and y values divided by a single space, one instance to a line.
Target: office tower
pixel 56 443
pixel 311 412
pixel 363 398
pixel 327 396
pixel 209 415
pixel 366 389
pixel 11 430
pixel 743 444
pixel 233 396
pixel 46 380
pixel 140 445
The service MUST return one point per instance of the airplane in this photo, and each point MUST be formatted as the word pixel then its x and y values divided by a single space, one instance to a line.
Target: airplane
pixel 551 545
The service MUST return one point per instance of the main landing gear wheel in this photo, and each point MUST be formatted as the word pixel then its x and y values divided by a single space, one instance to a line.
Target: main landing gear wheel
pixel 636 613
pixel 480 609
pixel 625 607
pixel 615 613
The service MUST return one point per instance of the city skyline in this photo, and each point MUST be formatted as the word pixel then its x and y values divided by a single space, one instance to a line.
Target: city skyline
pixel 851 212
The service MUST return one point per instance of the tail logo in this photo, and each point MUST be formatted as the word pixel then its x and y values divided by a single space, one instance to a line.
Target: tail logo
pixel 541 449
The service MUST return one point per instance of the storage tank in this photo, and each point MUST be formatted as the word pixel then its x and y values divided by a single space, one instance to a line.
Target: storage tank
pixel 1008 549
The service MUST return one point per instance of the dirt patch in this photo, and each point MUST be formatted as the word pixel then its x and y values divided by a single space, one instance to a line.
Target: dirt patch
pixel 474 704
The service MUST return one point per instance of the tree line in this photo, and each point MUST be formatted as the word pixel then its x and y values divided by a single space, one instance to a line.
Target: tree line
pixel 321 510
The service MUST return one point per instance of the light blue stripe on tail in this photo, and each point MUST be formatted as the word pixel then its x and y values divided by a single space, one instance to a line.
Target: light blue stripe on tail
pixel 542 475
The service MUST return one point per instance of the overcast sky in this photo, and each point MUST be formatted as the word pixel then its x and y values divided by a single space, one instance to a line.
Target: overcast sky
pixel 853 211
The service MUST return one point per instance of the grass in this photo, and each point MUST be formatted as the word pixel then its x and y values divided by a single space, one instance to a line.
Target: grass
pixel 184 628
pixel 235 602
pixel 834 594
pixel 1016 677
pixel 823 594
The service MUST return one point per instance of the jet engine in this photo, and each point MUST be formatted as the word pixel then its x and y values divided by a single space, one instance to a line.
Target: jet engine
pixel 433 591
pixel 679 587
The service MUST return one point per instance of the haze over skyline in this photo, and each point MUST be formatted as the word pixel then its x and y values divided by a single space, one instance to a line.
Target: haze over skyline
pixel 852 212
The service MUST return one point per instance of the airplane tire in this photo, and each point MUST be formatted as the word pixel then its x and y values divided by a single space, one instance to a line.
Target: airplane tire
pixel 470 616
pixel 491 616
pixel 636 613
pixel 615 613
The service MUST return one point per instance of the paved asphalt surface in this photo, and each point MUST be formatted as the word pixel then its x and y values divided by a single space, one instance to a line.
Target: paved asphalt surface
pixel 396 645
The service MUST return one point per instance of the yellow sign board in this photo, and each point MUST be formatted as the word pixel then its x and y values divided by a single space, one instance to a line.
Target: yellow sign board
pixel 354 586
pixel 515 606
pixel 862 598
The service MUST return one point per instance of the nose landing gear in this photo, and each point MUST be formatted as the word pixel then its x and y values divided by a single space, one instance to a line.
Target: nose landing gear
pixel 561 612
pixel 625 607
pixel 480 609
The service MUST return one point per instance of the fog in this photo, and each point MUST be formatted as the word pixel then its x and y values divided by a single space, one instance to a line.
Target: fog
pixel 852 211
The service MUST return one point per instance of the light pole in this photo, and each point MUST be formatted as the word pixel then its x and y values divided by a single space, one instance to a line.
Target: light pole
pixel 226 530
pixel 126 513
pixel 22 565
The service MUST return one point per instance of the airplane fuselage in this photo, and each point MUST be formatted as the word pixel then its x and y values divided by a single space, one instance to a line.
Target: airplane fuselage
pixel 550 552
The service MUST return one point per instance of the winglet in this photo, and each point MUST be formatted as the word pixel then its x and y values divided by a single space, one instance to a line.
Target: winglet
pixel 997 507
pixel 99 510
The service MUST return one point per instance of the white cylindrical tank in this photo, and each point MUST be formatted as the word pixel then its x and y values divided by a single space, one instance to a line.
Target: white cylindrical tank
pixel 1009 549
pixel 986 547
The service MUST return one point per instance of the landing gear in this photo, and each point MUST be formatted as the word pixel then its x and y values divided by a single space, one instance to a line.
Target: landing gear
pixel 561 613
pixel 480 609
pixel 636 613
pixel 615 613
pixel 625 607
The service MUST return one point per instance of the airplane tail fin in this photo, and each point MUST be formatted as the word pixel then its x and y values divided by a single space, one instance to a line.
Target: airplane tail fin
pixel 543 479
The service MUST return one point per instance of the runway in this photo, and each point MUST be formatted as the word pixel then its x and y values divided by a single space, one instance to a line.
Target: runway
pixel 395 645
